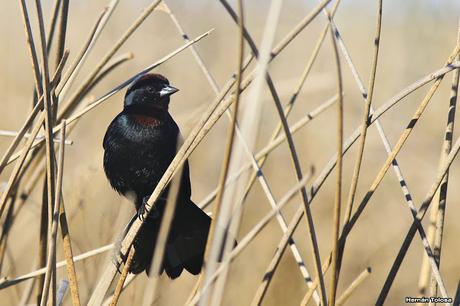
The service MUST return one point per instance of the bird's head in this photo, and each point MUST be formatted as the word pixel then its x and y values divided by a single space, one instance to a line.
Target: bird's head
pixel 151 91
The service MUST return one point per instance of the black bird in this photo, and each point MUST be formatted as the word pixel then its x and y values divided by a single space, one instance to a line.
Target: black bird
pixel 139 145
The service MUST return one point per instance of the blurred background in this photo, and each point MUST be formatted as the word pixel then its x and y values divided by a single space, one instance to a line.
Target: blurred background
pixel 417 37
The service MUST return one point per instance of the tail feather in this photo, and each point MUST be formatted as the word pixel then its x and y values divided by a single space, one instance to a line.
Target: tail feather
pixel 186 242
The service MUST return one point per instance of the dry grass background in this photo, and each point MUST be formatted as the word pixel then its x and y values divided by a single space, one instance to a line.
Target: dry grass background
pixel 417 37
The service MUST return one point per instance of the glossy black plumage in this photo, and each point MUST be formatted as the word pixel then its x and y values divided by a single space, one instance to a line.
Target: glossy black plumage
pixel 139 145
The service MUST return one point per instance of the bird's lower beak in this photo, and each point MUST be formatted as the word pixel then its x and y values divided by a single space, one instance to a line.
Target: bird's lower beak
pixel 167 91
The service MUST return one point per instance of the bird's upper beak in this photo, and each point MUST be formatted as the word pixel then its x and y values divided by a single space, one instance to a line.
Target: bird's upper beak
pixel 167 91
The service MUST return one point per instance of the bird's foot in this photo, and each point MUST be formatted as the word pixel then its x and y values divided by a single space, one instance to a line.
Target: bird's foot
pixel 141 211
pixel 151 212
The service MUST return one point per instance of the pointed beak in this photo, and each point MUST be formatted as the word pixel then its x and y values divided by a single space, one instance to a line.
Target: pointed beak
pixel 167 91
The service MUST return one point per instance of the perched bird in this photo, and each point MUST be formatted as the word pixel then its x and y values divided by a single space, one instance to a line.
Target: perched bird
pixel 139 145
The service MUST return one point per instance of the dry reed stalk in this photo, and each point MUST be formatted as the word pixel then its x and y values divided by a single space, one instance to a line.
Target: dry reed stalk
pixel 338 188
pixel 27 135
pixel 5 283
pixel 346 294
pixel 6 226
pixel 243 243
pixel 457 294
pixel 364 126
pixel 327 170
pixel 436 228
pixel 68 78
pixel 353 286
pixel 374 117
pixel 402 139
pixel 349 142
pixel 385 141
pixel 103 18
pixel 29 121
pixel 413 229
pixel 40 166
pixel 38 85
pixel 273 144
pixel 384 108
pixel 257 165
pixel 79 59
pixel 215 88
pixel 225 168
pixel 62 32
pixel 274 263
pixel 77 96
pixel 152 286
pixel 388 148
pixel 96 32
pixel 51 259
pixel 294 157
pixel 68 254
pixel 49 147
pixel 124 274
pixel 53 23
pixel 113 91
pixel 127 282
pixel 56 78
pixel 443 188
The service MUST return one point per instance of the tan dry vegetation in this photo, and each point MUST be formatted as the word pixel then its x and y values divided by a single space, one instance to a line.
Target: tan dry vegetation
pixel 416 40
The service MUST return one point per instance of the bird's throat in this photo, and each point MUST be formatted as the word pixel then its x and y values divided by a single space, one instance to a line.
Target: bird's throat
pixel 147 115
pixel 146 120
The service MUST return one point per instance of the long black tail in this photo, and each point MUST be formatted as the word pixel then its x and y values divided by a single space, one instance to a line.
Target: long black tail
pixel 186 242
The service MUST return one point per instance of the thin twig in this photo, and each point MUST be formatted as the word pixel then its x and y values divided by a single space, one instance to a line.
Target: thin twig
pixel 268 275
pixel 68 254
pixel 51 261
pixel 226 166
pixel 338 188
pixel 27 135
pixel 124 274
pixel 7 283
pixel 127 282
pixel 353 286
pixel 273 144
pixel 49 123
pixel 364 126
